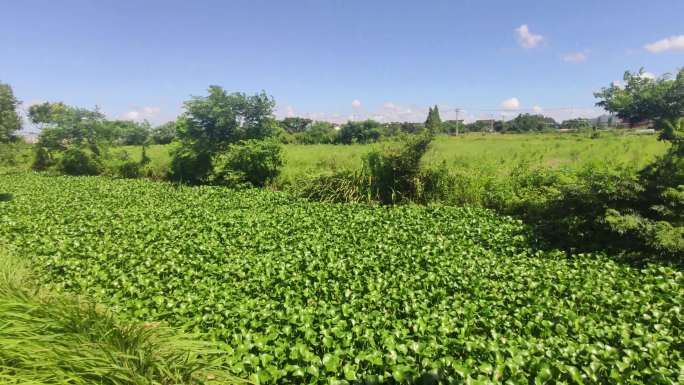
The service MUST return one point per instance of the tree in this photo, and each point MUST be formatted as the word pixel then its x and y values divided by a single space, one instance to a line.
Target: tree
pixel 10 122
pixel 643 98
pixel 64 126
pixel 127 132
pixel 433 123
pixel 529 122
pixel 317 132
pixel 211 123
pixel 295 124
pixel 164 134
pixel 576 124
pixel 359 132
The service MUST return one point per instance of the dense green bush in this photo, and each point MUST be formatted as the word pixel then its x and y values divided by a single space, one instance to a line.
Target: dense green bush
pixel 189 166
pixel 366 131
pixel 252 162
pixel 316 133
pixel 42 159
pixel 211 125
pixel 164 134
pixel 79 161
pixel 394 172
pixel 389 175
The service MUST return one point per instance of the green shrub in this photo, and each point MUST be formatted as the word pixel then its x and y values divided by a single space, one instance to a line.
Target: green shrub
pixel 395 171
pixel 189 166
pixel 252 162
pixel 78 161
pixel 42 159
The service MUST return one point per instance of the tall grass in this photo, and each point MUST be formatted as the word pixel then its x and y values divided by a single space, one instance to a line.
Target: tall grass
pixel 54 338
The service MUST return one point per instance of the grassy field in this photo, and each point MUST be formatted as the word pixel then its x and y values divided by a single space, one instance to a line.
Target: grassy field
pixel 497 154
pixel 316 293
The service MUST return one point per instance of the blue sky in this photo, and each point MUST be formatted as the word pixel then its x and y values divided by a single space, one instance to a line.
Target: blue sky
pixel 336 59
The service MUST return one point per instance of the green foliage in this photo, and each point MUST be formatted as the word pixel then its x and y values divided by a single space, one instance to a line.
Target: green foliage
pixel 15 155
pixel 433 123
pixel 394 173
pixel 64 126
pixel 251 162
pixel 122 165
pixel 530 123
pixel 317 133
pixel 211 123
pixel 41 159
pixel 366 131
pixel 642 98
pixel 53 338
pixel 295 124
pixel 127 132
pixel 164 134
pixel 576 124
pixel 189 166
pixel 10 122
pixel 79 161
pixel 325 293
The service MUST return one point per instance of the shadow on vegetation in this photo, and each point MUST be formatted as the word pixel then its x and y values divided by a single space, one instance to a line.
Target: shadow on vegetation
pixel 6 197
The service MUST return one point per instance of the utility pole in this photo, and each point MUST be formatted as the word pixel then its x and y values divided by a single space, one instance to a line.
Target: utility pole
pixel 458 110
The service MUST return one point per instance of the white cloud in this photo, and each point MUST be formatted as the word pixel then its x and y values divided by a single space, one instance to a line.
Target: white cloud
pixel 147 112
pixel 575 57
pixel 389 106
pixel 537 110
pixel 527 39
pixel 672 43
pixel 356 103
pixel 510 104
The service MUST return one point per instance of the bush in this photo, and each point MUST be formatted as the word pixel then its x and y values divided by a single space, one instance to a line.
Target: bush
pixel 395 172
pixel 42 159
pixel 251 162
pixel 359 132
pixel 389 176
pixel 77 161
pixel 189 166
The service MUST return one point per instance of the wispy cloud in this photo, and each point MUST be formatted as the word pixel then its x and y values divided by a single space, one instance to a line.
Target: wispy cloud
pixel 141 113
pixel 356 103
pixel 526 38
pixel 575 57
pixel 510 104
pixel 672 43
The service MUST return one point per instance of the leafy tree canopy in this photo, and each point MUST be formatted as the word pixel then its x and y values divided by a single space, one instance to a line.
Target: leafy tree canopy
pixel 433 122
pixel 530 122
pixel 295 124
pixel 359 132
pixel 213 122
pixel 10 122
pixel 64 125
pixel 643 98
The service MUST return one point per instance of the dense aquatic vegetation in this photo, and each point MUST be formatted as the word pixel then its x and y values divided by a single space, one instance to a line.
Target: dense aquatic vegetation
pixel 305 292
